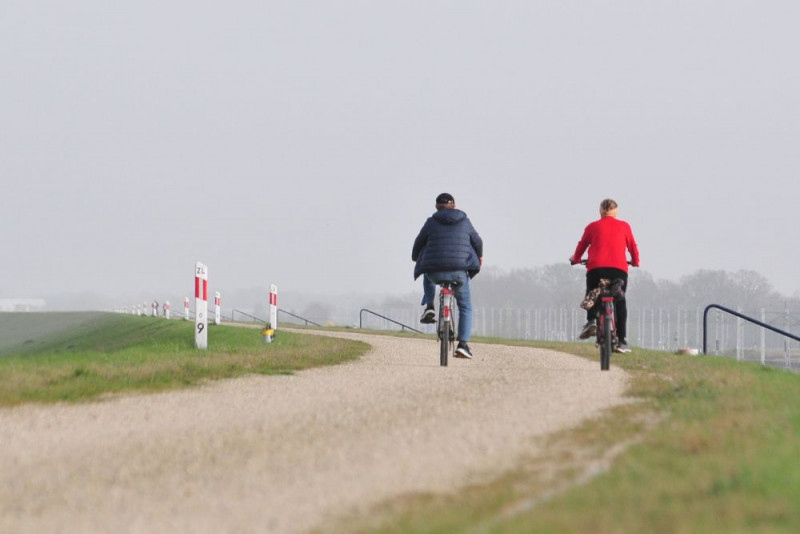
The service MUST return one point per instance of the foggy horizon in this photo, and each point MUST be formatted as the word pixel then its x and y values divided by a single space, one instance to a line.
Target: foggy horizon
pixel 255 298
pixel 303 144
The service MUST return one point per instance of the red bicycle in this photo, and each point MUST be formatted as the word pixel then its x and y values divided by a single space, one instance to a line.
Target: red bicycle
pixel 446 324
pixel 605 295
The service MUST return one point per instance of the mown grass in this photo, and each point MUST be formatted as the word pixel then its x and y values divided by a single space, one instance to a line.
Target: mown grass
pixel 715 443
pixel 110 353
pixel 715 448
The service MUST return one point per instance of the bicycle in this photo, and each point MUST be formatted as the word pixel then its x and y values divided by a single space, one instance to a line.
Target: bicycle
pixel 606 331
pixel 446 322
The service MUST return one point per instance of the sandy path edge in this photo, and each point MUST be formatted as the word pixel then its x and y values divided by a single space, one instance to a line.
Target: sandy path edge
pixel 282 454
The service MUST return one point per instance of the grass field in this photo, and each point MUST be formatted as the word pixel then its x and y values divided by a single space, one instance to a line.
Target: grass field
pixel 52 357
pixel 710 445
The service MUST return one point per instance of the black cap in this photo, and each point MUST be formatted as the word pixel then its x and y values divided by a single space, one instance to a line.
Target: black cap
pixel 445 198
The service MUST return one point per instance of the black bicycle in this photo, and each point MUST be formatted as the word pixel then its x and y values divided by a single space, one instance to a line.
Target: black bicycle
pixel 605 295
pixel 446 323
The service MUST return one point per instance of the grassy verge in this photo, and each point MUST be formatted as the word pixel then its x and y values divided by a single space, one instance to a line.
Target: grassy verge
pixel 714 446
pixel 110 353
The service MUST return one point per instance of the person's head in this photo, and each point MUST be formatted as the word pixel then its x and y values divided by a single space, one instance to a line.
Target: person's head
pixel 445 201
pixel 608 208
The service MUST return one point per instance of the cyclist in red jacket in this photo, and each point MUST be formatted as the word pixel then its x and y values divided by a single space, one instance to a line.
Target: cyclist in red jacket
pixel 607 239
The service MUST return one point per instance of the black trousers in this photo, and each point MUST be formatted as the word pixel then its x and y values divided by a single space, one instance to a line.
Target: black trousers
pixel 593 278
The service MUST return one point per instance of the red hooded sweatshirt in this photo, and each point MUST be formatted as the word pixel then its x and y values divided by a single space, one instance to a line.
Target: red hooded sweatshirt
pixel 607 240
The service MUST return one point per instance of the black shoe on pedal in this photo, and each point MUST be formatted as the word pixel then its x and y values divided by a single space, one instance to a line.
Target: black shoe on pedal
pixel 589 330
pixel 428 317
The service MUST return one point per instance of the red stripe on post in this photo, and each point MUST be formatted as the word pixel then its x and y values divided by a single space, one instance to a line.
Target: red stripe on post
pixel 205 290
pixel 197 287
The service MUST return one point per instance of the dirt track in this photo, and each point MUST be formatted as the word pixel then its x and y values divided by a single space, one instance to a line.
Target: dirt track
pixel 280 454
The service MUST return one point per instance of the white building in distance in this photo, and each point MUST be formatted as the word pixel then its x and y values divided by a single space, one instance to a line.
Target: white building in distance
pixel 21 305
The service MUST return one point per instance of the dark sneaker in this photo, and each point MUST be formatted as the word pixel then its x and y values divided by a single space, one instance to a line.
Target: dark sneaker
pixel 429 317
pixel 589 329
pixel 623 348
pixel 462 351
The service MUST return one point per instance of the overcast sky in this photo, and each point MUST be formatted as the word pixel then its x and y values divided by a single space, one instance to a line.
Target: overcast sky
pixel 302 143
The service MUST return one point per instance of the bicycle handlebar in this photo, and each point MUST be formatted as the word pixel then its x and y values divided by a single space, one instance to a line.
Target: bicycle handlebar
pixel 583 262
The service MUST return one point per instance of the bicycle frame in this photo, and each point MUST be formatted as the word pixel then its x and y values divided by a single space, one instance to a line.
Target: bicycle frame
pixel 607 338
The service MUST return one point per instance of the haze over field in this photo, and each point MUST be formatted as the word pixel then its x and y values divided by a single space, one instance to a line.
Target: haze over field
pixel 303 143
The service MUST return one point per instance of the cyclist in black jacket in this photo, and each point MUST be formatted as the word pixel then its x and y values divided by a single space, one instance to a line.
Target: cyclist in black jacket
pixel 448 248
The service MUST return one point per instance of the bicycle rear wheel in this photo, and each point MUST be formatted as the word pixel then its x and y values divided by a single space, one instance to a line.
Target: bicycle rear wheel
pixel 444 342
pixel 607 346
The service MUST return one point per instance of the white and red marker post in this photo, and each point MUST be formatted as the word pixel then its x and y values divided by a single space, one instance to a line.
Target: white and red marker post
pixel 273 306
pixel 166 309
pixel 217 308
pixel 200 306
pixel 186 308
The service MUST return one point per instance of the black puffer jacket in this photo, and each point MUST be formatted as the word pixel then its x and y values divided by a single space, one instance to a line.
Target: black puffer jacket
pixel 447 242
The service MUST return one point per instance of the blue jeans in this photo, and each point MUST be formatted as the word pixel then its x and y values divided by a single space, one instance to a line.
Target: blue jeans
pixel 462 295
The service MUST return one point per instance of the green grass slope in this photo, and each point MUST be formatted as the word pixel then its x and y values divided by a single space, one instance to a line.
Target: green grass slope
pixel 81 356
pixel 31 332
pixel 712 446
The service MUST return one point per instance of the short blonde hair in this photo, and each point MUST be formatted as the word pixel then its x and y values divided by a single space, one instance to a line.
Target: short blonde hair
pixel 607 205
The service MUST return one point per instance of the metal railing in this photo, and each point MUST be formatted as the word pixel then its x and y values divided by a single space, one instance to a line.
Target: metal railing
pixel 308 322
pixel 401 325
pixel 235 311
pixel 298 317
pixel 740 316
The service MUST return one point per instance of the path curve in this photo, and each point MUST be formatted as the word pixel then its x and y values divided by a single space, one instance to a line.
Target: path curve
pixel 283 453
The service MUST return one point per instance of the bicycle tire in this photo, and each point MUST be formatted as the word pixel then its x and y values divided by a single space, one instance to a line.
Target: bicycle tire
pixel 607 346
pixel 444 327
pixel 444 343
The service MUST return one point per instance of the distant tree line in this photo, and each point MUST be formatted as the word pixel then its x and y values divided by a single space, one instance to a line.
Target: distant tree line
pixel 559 285
pixel 544 303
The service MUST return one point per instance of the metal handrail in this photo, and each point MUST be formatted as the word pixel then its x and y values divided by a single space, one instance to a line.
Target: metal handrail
pixel 266 322
pixel 741 316
pixel 402 326
pixel 233 312
pixel 298 317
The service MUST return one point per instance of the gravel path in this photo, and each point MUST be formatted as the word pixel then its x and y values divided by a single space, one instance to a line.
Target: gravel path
pixel 279 454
